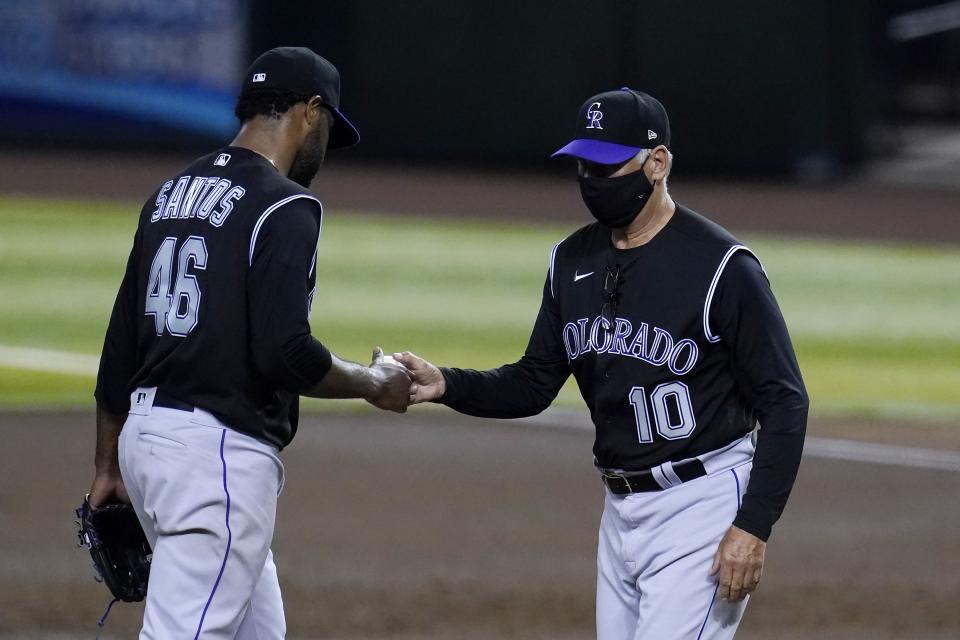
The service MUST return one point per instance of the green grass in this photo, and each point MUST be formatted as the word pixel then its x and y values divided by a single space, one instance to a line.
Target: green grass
pixel 40 390
pixel 875 326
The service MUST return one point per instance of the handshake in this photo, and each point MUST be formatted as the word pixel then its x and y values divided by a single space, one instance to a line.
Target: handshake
pixel 403 379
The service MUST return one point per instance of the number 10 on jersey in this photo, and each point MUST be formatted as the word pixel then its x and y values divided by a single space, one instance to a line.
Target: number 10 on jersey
pixel 675 427
pixel 177 310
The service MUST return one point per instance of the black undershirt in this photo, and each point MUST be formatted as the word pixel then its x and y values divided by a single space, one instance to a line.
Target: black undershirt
pixel 281 345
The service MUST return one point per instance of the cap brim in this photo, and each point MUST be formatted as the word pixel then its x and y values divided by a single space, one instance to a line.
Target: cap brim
pixel 597 151
pixel 343 134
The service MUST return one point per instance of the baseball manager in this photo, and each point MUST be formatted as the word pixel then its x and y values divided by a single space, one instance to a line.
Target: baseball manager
pixel 672 332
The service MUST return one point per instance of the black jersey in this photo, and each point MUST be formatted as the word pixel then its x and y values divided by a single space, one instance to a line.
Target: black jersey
pixel 214 303
pixel 655 377
pixel 677 347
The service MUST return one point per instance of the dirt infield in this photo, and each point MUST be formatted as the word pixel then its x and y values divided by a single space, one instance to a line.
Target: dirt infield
pixel 435 526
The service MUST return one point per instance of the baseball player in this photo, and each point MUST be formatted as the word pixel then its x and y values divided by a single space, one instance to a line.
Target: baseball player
pixel 671 330
pixel 208 348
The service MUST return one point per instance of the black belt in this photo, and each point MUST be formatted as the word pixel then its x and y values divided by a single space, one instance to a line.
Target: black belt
pixel 161 399
pixel 639 482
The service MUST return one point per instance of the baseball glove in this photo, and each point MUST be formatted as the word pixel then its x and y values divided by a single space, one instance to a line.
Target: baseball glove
pixel 120 551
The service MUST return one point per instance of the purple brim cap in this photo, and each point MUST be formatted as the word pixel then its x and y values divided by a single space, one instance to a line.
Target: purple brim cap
pixel 343 134
pixel 597 151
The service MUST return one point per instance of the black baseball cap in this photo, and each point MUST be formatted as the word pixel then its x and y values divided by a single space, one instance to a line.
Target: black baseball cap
pixel 302 71
pixel 614 126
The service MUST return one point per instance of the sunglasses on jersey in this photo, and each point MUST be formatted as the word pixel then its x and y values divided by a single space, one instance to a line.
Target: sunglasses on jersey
pixel 611 295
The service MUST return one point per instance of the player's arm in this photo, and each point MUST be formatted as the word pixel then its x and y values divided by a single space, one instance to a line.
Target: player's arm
pixel 746 316
pixel 523 388
pixel 117 367
pixel 282 347
pixel 382 385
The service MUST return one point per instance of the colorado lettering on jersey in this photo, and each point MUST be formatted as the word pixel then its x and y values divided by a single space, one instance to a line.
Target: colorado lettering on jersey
pixel 656 347
pixel 200 197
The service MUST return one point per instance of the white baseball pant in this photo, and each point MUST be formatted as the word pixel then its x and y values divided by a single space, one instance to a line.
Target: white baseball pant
pixel 206 496
pixel 656 549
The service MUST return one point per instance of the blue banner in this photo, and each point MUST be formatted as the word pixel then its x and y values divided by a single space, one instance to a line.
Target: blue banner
pixel 176 63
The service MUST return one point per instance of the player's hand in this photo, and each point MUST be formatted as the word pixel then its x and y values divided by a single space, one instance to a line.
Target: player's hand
pixel 392 384
pixel 739 561
pixel 107 488
pixel 428 381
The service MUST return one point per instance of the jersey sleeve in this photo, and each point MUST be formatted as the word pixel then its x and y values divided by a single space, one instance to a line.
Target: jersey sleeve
pixel 748 319
pixel 517 390
pixel 118 359
pixel 279 290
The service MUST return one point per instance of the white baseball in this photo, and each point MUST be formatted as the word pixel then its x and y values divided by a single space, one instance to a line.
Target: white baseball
pixel 390 360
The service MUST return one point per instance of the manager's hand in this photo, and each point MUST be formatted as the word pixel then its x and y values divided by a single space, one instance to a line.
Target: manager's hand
pixel 428 382
pixel 739 561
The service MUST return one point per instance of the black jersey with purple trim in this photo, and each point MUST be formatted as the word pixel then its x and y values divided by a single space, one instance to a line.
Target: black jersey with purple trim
pixel 694 354
pixel 220 278
pixel 655 375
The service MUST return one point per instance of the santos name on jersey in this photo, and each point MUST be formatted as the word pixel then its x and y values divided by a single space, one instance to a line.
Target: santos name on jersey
pixel 221 274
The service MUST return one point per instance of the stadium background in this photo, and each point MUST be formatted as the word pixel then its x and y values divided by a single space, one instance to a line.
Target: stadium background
pixel 826 134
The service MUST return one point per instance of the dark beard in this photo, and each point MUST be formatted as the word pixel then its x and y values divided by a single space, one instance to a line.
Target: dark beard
pixel 309 157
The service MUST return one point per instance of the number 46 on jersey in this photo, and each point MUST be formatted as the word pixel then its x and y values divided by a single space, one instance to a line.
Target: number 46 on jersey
pixel 175 311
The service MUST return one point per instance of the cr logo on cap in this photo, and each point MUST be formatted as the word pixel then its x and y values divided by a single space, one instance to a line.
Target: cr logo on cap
pixel 594 116
pixel 259 77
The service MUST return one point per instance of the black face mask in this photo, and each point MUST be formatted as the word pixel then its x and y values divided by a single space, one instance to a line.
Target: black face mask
pixel 615 202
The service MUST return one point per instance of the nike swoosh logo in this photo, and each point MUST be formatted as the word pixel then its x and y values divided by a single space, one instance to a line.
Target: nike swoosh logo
pixel 577 277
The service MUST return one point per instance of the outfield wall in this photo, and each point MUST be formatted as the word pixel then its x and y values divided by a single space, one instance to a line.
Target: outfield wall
pixel 751 87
